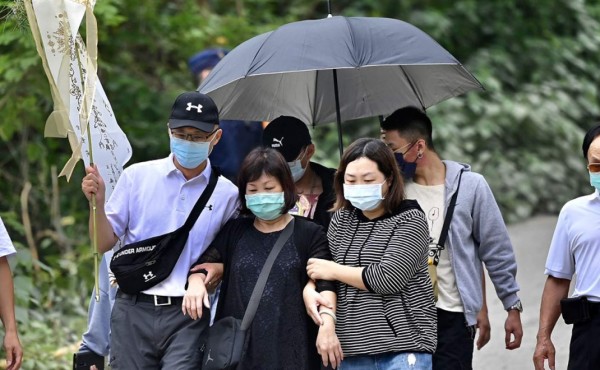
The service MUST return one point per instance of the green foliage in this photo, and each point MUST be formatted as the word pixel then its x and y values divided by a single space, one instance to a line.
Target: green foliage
pixel 537 60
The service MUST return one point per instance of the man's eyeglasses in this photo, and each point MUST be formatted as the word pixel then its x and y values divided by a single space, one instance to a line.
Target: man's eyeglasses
pixel 594 167
pixel 192 137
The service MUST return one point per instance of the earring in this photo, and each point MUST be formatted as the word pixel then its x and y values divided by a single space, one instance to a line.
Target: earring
pixel 419 155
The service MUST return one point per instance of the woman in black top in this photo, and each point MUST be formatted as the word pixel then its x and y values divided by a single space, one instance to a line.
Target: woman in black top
pixel 386 317
pixel 282 336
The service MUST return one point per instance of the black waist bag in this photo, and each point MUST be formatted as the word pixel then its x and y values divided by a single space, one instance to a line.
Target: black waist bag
pixel 141 265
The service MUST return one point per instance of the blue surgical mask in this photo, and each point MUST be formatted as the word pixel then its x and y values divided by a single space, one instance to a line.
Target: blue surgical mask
pixel 296 168
pixel 266 206
pixel 188 153
pixel 595 180
pixel 364 197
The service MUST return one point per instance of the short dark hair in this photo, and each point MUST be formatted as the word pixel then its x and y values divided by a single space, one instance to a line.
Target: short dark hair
pixel 271 162
pixel 592 134
pixel 412 123
pixel 378 152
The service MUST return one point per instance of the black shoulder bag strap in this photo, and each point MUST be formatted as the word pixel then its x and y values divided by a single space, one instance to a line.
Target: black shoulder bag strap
pixel 449 212
pixel 201 203
pixel 264 275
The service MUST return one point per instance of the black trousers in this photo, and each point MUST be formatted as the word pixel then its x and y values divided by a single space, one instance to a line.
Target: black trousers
pixel 584 351
pixel 455 342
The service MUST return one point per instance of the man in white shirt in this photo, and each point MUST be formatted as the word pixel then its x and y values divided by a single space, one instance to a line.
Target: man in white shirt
pixel 148 329
pixel 12 346
pixel 575 249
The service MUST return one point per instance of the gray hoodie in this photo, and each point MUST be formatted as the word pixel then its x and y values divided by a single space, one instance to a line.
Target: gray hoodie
pixel 477 233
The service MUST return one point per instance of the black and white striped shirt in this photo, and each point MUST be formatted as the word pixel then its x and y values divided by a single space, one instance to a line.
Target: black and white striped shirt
pixel 397 313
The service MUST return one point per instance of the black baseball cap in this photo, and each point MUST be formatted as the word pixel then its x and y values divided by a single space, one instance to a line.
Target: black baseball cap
pixel 196 110
pixel 288 135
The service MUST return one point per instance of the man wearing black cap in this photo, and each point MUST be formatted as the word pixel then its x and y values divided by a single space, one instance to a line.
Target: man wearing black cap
pixel 240 136
pixel 314 182
pixel 148 329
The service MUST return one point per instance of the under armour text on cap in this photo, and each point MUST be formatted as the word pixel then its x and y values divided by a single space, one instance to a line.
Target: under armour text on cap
pixel 196 110
pixel 288 135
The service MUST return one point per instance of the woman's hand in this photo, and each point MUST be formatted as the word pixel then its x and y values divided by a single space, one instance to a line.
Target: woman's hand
pixel 328 345
pixel 312 301
pixel 214 274
pixel 195 296
pixel 319 269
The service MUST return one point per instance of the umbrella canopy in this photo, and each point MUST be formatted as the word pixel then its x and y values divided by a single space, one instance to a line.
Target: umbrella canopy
pixel 371 66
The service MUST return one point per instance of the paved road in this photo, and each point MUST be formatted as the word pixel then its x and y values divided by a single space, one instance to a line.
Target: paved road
pixel 531 240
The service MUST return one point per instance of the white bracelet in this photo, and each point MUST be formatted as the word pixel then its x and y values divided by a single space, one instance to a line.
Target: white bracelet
pixel 329 313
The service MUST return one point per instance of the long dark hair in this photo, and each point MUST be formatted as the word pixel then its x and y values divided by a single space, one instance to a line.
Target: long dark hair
pixel 271 162
pixel 379 153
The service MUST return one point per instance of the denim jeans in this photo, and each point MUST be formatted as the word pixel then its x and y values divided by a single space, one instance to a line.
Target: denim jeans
pixel 388 361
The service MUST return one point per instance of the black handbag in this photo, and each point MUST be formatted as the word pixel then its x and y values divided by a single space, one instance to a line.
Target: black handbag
pixel 225 340
pixel 141 265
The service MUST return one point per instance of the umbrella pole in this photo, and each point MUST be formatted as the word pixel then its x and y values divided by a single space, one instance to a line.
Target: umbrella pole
pixel 337 113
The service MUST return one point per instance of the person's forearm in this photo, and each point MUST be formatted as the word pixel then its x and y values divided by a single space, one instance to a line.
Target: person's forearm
pixel 106 236
pixel 554 290
pixel 331 297
pixel 7 298
pixel 350 275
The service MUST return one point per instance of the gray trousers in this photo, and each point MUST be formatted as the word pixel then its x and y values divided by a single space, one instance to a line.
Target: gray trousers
pixel 145 336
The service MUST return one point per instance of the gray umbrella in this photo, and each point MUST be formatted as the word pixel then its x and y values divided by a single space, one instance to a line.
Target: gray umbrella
pixel 336 68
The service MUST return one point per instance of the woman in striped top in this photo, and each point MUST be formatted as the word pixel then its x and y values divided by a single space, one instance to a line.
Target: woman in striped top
pixel 386 316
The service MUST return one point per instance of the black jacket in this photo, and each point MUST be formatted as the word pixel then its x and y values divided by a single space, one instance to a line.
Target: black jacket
pixel 322 214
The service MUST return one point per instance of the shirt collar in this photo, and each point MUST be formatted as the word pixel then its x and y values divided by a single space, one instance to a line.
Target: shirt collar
pixel 169 168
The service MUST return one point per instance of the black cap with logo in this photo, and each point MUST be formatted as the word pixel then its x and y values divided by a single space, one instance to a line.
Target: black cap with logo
pixel 196 110
pixel 288 135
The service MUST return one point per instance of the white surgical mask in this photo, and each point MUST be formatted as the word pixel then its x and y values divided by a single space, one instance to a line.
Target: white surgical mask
pixel 296 168
pixel 364 197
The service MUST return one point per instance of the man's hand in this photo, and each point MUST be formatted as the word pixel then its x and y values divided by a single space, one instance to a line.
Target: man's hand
pixel 312 301
pixel 14 351
pixel 195 296
pixel 319 269
pixel 513 327
pixel 484 328
pixel 93 184
pixel 214 274
pixel 544 349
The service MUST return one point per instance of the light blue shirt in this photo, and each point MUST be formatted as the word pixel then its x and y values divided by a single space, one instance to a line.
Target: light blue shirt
pixel 6 246
pixel 575 247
